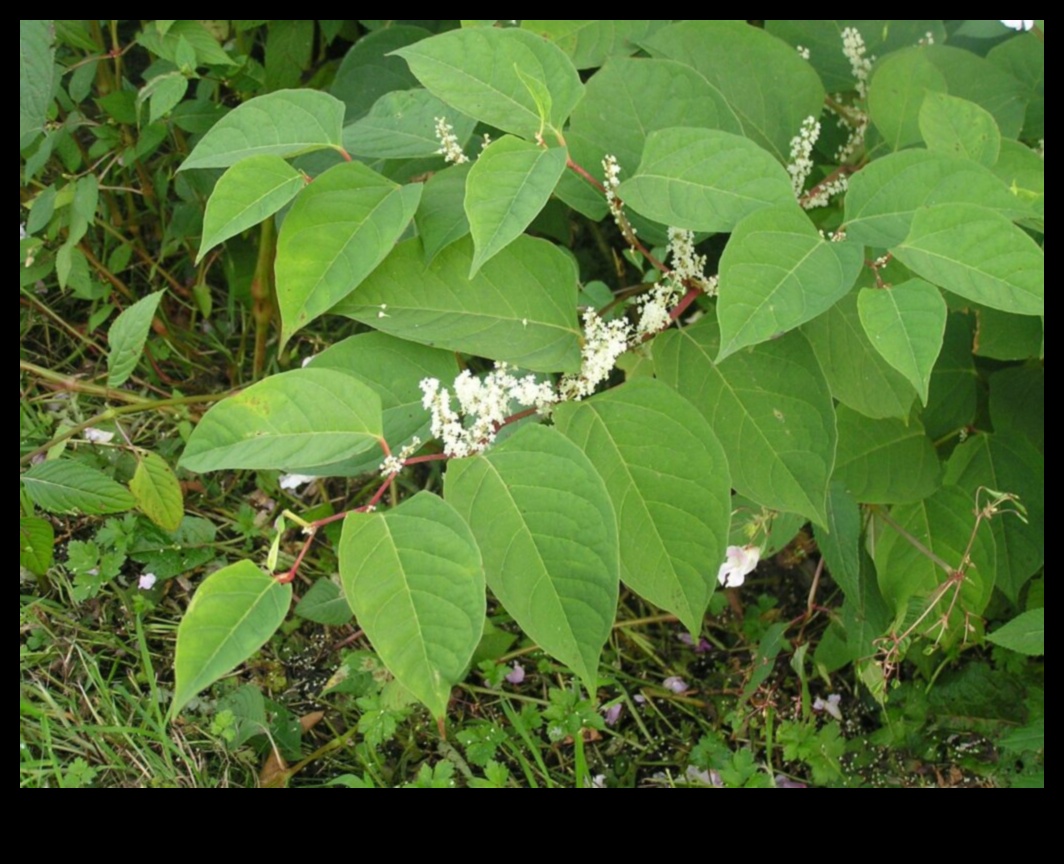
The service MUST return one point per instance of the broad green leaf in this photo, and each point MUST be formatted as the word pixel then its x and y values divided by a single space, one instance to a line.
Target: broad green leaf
pixel 906 323
pixel 942 524
pixel 414 578
pixel 591 43
pixel 393 369
pixel 185 43
pixel 885 461
pixel 951 398
pixel 367 72
pixel 402 125
pixel 840 540
pixel 300 418
pixel 856 372
pixel 952 125
pixel 168 554
pixel 289 46
pixel 625 101
pixel 64 486
pixel 1017 402
pixel 1003 336
pixel 668 479
pixel 324 604
pixel 976 79
pixel 1023 57
pixel 1007 463
pixel 770 408
pixel 547 532
pixel 36 76
pixel 767 84
pixel 338 230
pixel 507 187
pixel 36 539
pixel 899 84
pixel 520 308
pixel 479 72
pixel 704 179
pixel 978 254
pixel 232 614
pixel 1025 633
pixel 285 123
pixel 157 491
pixel 884 196
pixel 1023 172
pixel 250 191
pixel 440 216
pixel 127 336
pixel 776 273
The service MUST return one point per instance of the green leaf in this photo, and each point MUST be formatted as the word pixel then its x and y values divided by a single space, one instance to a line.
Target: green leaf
pixel 1002 336
pixel 883 197
pixel 295 419
pixel 366 73
pixel 591 43
pixel 960 127
pixel 402 125
pixel 951 398
pixel 547 532
pixel 168 554
pixel 978 254
pixel 440 216
pixel 36 76
pixel 1025 633
pixel 906 324
pixel 162 92
pixel 157 491
pixel 1023 57
pixel 941 524
pixel 392 368
pixel 64 486
pixel 520 308
pixel 479 71
pixel 1023 172
pixel 338 230
pixel 285 123
pixel 185 43
pixel 769 407
pixel 36 544
pixel 704 179
pixel 770 88
pixel 840 540
pixel 289 46
pixel 667 477
pixel 1007 463
pixel 507 187
pixel 976 79
pixel 127 336
pixel 626 100
pixel 887 461
pixel 414 578
pixel 247 193
pixel 776 273
pixel 1017 403
pixel 857 374
pixel 899 85
pixel 232 614
pixel 324 604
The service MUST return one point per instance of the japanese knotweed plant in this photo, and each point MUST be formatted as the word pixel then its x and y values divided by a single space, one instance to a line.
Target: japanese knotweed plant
pixel 867 357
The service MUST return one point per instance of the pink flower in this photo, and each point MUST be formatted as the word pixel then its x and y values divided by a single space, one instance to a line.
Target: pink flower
pixel 517 674
pixel 613 713
pixel 740 561
pixel 674 683
pixel 147 581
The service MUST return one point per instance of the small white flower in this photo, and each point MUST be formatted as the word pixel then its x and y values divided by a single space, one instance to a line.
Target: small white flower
pixel 147 581
pixel 831 705
pixel 1024 24
pixel 98 436
pixel 450 147
pixel 740 561
pixel 294 481
pixel 675 683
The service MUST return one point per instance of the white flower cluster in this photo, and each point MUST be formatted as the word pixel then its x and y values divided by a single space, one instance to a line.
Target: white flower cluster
pixel 821 194
pixel 853 46
pixel 855 140
pixel 604 342
pixel 802 144
pixel 611 180
pixel 450 148
pixel 803 52
pixel 929 39
pixel 394 464
pixel 484 404
pixel 685 263
pixel 687 267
